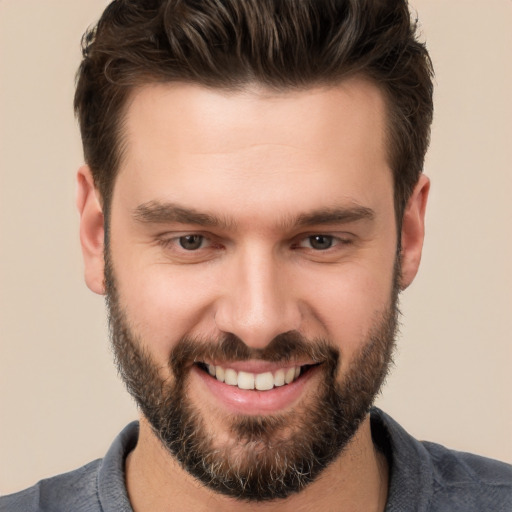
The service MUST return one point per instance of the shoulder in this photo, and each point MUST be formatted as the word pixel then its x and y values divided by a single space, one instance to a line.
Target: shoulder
pixel 96 487
pixel 468 481
pixel 76 490
pixel 428 477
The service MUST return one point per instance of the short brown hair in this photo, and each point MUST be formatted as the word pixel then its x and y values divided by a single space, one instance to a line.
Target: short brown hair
pixel 276 43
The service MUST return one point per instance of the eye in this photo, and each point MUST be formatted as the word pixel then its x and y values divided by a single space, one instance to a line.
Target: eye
pixel 320 242
pixel 183 247
pixel 191 242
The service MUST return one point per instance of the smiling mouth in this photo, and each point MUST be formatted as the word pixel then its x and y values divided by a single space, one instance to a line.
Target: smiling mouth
pixel 255 381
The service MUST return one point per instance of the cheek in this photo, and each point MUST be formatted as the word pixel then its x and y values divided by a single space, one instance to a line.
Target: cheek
pixel 163 305
pixel 347 304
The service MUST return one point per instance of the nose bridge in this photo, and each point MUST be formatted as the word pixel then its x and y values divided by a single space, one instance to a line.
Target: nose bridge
pixel 257 303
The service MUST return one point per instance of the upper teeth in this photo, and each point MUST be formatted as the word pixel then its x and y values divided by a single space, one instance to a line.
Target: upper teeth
pixel 259 381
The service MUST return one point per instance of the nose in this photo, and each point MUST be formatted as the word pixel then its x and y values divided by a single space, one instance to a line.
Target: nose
pixel 257 302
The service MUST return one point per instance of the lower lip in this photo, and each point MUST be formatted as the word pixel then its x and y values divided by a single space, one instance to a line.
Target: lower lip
pixel 254 402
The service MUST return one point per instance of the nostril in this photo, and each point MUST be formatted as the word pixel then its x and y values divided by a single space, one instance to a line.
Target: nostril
pixel 256 331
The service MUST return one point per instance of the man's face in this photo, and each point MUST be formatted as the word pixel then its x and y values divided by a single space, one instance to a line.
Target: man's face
pixel 252 236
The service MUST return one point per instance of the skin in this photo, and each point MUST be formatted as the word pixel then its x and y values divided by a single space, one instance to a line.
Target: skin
pixel 257 160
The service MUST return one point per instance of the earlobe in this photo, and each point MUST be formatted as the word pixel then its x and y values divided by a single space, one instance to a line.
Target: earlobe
pixel 413 231
pixel 91 230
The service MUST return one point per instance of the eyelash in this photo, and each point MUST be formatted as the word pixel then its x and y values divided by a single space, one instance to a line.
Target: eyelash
pixel 175 241
pixel 335 241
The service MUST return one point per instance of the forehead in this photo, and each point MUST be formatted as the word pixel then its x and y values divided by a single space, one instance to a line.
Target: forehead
pixel 183 139
pixel 315 117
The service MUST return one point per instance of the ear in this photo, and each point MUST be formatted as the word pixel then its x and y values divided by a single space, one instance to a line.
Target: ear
pixel 413 231
pixel 91 230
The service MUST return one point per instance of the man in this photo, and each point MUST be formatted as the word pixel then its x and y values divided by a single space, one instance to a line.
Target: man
pixel 252 205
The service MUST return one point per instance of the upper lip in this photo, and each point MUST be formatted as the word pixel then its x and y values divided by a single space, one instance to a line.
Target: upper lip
pixel 253 366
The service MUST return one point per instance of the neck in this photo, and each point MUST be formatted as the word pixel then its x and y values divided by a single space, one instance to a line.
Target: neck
pixel 356 481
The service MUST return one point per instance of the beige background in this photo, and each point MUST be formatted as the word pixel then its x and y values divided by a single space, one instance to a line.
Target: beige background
pixel 61 403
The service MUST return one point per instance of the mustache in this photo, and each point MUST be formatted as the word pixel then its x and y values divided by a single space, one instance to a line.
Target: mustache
pixel 286 347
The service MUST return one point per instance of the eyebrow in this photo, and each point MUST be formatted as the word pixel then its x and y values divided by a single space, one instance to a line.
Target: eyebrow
pixel 336 215
pixel 155 212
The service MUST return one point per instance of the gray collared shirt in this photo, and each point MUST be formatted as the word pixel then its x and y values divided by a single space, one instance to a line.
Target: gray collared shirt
pixel 424 477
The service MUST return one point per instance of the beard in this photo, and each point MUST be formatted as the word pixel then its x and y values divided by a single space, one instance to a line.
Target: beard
pixel 260 457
